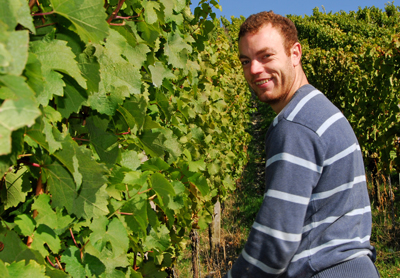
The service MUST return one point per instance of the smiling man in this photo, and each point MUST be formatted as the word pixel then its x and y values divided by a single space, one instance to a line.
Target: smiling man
pixel 315 220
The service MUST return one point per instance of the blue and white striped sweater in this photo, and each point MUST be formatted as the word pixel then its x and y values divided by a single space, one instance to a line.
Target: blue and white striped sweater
pixel 316 211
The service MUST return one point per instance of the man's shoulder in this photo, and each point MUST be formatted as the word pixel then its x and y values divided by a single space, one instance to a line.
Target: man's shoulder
pixel 310 108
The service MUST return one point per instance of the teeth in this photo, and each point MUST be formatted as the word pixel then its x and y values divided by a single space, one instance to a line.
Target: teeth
pixel 262 82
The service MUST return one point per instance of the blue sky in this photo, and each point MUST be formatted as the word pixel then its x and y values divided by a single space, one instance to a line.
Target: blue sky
pixel 284 7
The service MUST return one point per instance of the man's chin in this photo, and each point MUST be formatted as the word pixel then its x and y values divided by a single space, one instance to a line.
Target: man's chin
pixel 264 98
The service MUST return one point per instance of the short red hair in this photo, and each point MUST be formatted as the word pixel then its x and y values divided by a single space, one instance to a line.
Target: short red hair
pixel 283 24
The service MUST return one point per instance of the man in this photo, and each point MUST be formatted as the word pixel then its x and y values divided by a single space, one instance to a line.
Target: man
pixel 315 220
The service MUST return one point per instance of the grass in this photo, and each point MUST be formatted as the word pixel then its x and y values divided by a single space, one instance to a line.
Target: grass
pixel 386 225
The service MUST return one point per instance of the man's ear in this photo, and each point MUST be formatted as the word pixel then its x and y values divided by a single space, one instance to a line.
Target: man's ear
pixel 296 53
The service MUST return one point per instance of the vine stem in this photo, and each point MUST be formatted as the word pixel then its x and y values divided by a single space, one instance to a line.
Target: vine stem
pixel 125 213
pixel 29 163
pixel 80 139
pixel 115 12
pixel 59 264
pixel 125 133
pixel 134 263
pixel 118 24
pixel 42 14
pixel 73 238
pixel 45 25
pixel 32 3
pixel 144 191
pixel 39 190
pixel 48 259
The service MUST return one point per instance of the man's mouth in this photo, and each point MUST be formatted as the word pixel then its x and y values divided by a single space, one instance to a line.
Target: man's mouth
pixel 258 83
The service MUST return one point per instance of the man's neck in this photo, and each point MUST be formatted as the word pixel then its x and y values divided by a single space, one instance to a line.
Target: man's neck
pixel 297 84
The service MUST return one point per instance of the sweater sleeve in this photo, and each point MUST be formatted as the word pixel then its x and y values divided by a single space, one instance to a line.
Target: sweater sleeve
pixel 294 164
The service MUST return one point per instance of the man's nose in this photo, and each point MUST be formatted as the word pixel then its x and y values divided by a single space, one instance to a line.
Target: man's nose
pixel 256 67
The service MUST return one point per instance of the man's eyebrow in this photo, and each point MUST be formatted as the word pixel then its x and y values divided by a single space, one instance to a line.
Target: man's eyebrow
pixel 261 51
pixel 266 49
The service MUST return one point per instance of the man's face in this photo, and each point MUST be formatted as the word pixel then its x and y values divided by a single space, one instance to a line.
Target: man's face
pixel 267 68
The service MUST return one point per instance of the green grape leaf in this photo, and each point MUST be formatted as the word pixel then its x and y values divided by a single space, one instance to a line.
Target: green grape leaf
pixel 5 58
pixel 130 159
pixel 159 72
pixel 45 235
pixel 134 113
pixel 198 134
pixel 162 187
pixel 152 142
pixel 229 183
pixel 137 178
pixel 105 143
pixel 48 128
pixel 129 118
pixel 135 274
pixel 138 57
pixel 87 16
pixel 15 189
pixel 137 206
pixel 91 199
pixel 157 239
pixel 56 273
pixel 13 12
pixel 33 73
pixel 134 54
pixel 168 8
pixel 3 270
pixel 112 232
pixel 46 215
pixel 109 244
pixel 16 45
pixel 150 11
pixel 73 99
pixel 32 269
pixel 25 224
pixel 6 161
pixel 150 270
pixel 24 15
pixel 213 168
pixel 17 112
pixel 8 13
pixel 195 166
pixel 15 250
pixel 149 32
pixel 94 265
pixel 177 50
pixel 64 179
pixel 171 144
pixel 201 183
pixel 155 164
pixel 179 5
pixel 55 56
pixel 119 80
pixel 72 259
pixel 90 69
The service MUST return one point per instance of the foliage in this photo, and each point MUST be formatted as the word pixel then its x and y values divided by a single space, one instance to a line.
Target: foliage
pixel 121 123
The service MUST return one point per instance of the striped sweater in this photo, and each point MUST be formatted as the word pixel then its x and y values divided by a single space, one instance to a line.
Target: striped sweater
pixel 316 211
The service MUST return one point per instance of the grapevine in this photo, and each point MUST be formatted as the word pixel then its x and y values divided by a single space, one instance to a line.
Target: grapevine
pixel 117 134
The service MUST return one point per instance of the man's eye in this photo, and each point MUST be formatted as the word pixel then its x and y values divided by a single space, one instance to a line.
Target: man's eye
pixel 244 62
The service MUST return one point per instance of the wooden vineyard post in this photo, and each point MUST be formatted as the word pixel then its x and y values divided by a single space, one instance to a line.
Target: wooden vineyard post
pixel 216 226
pixel 194 236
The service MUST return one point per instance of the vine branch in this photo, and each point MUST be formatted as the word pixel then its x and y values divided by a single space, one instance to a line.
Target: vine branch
pixel 115 12
pixel 39 191
pixel 32 3
pixel 42 14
